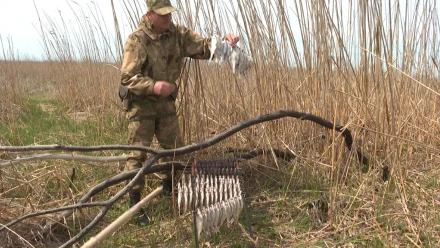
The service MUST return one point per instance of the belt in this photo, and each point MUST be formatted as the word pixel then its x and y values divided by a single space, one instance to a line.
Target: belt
pixel 150 117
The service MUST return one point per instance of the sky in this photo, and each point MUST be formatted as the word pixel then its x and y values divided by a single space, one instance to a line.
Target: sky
pixel 19 21
pixel 20 24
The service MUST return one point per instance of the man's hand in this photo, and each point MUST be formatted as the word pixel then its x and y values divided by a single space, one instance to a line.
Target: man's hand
pixel 232 39
pixel 163 88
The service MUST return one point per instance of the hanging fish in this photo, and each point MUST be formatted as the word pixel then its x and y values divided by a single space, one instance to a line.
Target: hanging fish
pixel 185 194
pixel 236 211
pixel 179 195
pixel 216 216
pixel 205 220
pixel 199 222
pixel 216 188
pixel 230 184
pixel 222 179
pixel 190 192
pixel 228 212
pixel 221 51
pixel 202 190
pixel 196 194
pixel 215 48
pixel 208 191
pixel 237 180
pixel 211 189
pixel 223 212
pixel 208 228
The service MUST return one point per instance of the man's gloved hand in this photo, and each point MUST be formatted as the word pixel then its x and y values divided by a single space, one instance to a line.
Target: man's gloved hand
pixel 163 88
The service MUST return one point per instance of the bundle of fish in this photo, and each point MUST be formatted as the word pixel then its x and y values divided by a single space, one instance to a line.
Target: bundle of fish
pixel 214 190
pixel 222 51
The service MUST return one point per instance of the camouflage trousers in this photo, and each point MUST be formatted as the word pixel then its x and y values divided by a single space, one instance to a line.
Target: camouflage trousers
pixel 148 119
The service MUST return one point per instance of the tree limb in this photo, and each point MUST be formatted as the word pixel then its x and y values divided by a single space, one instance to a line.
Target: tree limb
pixel 121 220
pixel 44 156
pixel 203 144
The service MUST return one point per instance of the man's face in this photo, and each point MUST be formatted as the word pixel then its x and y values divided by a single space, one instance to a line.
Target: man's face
pixel 161 23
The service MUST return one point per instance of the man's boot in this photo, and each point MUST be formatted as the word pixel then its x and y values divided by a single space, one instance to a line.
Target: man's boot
pixel 140 217
pixel 167 186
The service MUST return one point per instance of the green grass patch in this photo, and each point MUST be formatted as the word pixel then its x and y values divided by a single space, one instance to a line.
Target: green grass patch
pixel 47 122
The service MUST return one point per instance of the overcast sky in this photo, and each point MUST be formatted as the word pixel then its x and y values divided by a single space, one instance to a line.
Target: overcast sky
pixel 19 20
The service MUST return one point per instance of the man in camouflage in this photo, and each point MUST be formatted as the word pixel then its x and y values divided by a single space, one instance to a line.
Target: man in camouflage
pixel 152 62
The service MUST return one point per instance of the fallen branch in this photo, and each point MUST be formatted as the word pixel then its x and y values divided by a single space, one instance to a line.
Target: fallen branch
pixel 121 220
pixel 124 176
pixel 244 154
pixel 76 157
pixel 348 138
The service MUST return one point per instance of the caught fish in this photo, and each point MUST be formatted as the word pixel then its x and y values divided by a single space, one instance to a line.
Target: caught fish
pixel 215 189
pixel 222 51
pixel 222 179
pixel 190 192
pixel 202 190
pixel 185 194
pixel 199 222
pixel 211 190
pixel 216 216
pixel 179 195
pixel 196 194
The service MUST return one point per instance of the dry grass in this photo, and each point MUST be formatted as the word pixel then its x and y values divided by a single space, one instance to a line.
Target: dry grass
pixel 373 70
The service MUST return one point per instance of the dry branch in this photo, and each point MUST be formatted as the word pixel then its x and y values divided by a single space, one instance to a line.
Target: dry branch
pixel 121 220
pixel 104 159
pixel 203 144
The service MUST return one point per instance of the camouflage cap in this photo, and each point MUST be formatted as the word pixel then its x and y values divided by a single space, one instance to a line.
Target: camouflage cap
pixel 161 7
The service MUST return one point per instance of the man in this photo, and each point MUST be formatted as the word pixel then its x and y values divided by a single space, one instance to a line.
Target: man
pixel 152 62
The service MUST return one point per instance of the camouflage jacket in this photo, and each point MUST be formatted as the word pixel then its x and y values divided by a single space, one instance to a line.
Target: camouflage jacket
pixel 149 58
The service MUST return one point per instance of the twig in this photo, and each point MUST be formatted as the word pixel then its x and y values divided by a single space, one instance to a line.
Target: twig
pixel 253 241
pixel 112 201
pixel 18 235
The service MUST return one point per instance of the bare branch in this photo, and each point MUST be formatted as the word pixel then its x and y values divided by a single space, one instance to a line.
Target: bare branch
pixel 121 220
pixel 203 144
pixel 104 159
pixel 147 165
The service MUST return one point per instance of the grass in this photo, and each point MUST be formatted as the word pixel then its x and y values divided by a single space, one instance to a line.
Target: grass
pixel 339 74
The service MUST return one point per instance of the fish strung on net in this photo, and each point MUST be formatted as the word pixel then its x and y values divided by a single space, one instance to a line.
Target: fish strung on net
pixel 179 195
pixel 229 210
pixel 202 190
pixel 222 51
pixel 190 192
pixel 208 191
pixel 224 214
pixel 216 216
pixel 199 222
pixel 196 194
pixel 185 194
pixel 211 190
pixel 205 220
pixel 240 62
pixel 216 48
pixel 209 220
pixel 222 180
